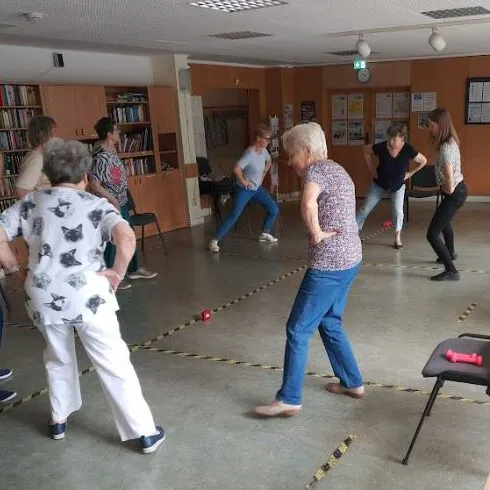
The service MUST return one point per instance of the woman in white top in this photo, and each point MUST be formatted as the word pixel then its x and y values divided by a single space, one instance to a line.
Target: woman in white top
pixel 68 286
pixel 453 189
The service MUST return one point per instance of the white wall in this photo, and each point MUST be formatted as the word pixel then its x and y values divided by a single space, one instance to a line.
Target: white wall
pixel 29 64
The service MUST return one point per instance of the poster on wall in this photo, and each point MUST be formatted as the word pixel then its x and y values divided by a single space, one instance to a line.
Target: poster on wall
pixel 308 111
pixel 380 130
pixel 355 109
pixel 274 174
pixel 486 92
pixel 474 112
pixel 430 101
pixel 384 105
pixel 339 106
pixel 475 92
pixel 417 101
pixel 423 120
pixel 401 105
pixel 355 132
pixel 288 116
pixel 339 133
pixel 485 113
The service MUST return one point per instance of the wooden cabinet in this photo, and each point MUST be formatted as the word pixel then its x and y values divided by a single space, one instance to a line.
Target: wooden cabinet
pixel 173 200
pixel 75 108
pixel 163 109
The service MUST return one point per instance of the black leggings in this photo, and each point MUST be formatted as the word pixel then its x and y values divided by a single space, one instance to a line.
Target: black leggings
pixel 441 223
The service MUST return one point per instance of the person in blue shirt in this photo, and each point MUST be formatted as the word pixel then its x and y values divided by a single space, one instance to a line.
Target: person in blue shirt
pixel 390 174
pixel 250 171
pixel 5 373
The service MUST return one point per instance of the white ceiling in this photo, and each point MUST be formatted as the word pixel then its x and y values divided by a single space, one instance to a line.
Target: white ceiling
pixel 302 31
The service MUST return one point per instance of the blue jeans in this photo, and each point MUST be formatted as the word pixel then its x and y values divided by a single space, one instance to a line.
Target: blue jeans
pixel 240 200
pixel 375 194
pixel 320 302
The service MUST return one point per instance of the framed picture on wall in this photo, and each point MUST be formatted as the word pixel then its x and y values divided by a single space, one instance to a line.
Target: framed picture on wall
pixel 477 101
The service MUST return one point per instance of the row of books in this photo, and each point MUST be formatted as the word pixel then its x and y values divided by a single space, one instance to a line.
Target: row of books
pixel 131 142
pixel 17 118
pixel 126 97
pixel 140 166
pixel 12 163
pixel 7 186
pixel 13 140
pixel 132 113
pixel 18 95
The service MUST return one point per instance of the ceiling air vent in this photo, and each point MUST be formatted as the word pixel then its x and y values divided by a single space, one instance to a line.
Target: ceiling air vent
pixel 454 13
pixel 240 35
pixel 230 6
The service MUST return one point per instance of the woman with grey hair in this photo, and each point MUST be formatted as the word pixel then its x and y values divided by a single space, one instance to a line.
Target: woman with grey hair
pixel 67 286
pixel 390 174
pixel 328 208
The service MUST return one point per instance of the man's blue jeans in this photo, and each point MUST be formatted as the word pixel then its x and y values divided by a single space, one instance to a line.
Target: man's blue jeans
pixel 320 302
pixel 240 200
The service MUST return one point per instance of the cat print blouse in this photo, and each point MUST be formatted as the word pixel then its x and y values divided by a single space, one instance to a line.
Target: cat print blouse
pixel 66 231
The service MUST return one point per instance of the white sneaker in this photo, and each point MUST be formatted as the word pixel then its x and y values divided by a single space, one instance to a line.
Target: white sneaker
pixel 213 246
pixel 267 237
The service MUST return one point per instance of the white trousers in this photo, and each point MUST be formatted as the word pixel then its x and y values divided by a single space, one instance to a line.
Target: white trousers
pixel 110 356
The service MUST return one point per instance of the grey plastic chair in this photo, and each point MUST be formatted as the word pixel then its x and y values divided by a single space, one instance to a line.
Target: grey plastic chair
pixel 439 367
pixel 422 184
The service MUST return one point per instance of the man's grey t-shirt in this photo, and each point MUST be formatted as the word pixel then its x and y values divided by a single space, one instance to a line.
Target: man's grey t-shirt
pixel 253 165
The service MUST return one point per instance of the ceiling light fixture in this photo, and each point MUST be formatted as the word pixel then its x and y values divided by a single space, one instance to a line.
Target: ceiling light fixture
pixel 436 41
pixel 34 17
pixel 230 6
pixel 362 47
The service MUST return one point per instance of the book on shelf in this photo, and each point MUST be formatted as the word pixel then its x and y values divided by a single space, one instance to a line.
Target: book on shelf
pixel 135 142
pixel 6 203
pixel 140 166
pixel 7 186
pixel 13 140
pixel 16 118
pixel 126 98
pixel 129 114
pixel 16 95
pixel 12 162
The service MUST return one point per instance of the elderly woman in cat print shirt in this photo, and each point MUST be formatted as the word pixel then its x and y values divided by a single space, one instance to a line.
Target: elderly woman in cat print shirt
pixel 67 286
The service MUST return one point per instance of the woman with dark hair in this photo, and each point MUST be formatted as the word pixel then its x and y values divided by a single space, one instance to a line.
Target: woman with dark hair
pixel 41 129
pixel 390 174
pixel 444 138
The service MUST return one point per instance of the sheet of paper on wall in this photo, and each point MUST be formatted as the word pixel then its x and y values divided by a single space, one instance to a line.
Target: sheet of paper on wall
pixel 274 147
pixel 274 124
pixel 288 116
pixel 475 92
pixel 474 112
pixel 355 103
pixel 485 113
pixel 339 106
pixel 355 133
pixel 308 111
pixel 486 92
pixel 430 101
pixel 423 120
pixel 275 174
pixel 401 105
pixel 417 101
pixel 339 133
pixel 380 129
pixel 384 105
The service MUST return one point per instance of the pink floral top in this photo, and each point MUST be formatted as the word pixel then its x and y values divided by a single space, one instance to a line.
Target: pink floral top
pixel 336 212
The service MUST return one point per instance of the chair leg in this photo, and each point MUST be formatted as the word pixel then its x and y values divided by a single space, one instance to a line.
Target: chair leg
pixel 143 238
pixel 434 399
pixel 427 409
pixel 162 238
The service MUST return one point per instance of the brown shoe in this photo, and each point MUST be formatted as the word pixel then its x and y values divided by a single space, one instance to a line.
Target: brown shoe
pixel 278 409
pixel 338 389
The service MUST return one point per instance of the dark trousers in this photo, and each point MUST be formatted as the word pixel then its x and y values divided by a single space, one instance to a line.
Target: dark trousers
pixel 110 249
pixel 441 224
